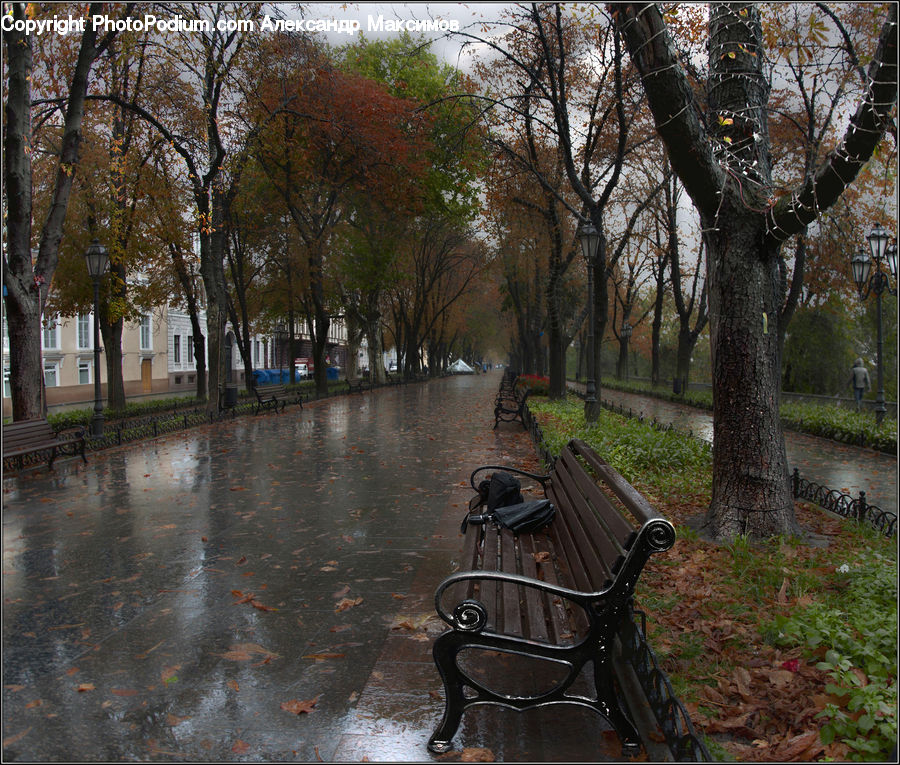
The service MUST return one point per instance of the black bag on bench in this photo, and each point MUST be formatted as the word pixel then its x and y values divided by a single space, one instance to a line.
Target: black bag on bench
pixel 504 506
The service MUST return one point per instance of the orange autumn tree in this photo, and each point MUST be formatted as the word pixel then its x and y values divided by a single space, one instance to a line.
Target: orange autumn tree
pixel 330 137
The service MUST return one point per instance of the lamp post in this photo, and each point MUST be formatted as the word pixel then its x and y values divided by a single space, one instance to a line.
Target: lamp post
pixel 626 336
pixel 280 333
pixel 878 283
pixel 97 259
pixel 589 238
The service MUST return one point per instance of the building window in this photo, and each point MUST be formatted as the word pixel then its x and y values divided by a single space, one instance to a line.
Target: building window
pixel 146 344
pixel 256 352
pixel 84 331
pixel 189 348
pixel 178 379
pixel 50 336
pixel 51 375
pixel 84 373
pixel 176 349
pixel 6 390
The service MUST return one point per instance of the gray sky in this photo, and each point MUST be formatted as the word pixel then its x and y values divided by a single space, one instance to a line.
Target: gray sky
pixel 464 14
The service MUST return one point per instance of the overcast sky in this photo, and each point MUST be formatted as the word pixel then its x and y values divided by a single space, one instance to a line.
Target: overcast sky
pixel 465 14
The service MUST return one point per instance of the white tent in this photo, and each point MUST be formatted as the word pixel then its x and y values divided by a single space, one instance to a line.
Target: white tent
pixel 459 367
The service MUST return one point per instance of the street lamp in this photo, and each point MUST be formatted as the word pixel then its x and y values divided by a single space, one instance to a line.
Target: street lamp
pixel 280 334
pixel 626 336
pixel 589 238
pixel 878 283
pixel 97 259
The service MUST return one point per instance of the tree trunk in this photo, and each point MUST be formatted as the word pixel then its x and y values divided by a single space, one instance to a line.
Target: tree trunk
pixel 112 348
pixel 27 280
pixel 751 488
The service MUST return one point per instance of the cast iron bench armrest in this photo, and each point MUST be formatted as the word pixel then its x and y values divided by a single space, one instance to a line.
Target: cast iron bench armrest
pixel 470 614
pixel 654 536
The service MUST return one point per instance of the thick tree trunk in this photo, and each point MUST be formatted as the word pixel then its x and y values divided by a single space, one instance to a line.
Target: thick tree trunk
pixel 22 292
pixel 26 279
pixel 751 488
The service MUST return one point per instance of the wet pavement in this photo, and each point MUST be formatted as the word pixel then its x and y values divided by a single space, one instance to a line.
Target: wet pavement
pixel 259 590
pixel 849 469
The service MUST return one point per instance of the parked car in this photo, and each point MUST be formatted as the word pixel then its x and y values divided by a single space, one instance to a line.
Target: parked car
pixel 392 367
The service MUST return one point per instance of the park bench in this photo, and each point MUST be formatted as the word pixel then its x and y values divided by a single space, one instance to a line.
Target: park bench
pixel 38 437
pixel 511 409
pixel 273 396
pixel 560 595
pixel 357 386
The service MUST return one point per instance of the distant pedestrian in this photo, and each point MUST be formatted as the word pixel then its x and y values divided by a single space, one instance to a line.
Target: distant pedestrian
pixel 859 380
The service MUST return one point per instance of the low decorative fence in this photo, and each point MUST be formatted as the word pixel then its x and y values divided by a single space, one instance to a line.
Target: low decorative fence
pixel 671 716
pixel 883 521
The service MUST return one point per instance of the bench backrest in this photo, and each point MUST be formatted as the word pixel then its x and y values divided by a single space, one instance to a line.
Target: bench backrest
pixel 601 518
pixel 269 390
pixel 25 433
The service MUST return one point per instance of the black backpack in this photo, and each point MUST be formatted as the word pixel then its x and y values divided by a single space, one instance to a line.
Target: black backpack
pixel 502 497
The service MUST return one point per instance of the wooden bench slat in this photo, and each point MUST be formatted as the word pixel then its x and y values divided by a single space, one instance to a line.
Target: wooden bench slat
pixel 535 611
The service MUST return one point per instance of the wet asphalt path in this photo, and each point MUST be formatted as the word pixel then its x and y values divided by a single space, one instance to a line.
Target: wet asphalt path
pixel 256 590
pixel 849 469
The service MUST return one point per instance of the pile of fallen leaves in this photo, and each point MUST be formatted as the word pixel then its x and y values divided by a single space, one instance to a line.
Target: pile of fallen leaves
pixel 756 701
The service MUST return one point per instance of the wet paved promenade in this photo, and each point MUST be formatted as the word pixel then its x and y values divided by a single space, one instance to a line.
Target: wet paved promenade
pixel 849 469
pixel 259 590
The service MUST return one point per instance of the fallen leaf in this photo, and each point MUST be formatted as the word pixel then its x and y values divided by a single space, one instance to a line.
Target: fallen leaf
pixel 299 707
pixel 13 739
pixel 346 603
pixel 477 754
pixel 324 656
pixel 248 651
pixel 85 687
pixel 782 597
pixel 233 685
pixel 240 747
pixel 541 557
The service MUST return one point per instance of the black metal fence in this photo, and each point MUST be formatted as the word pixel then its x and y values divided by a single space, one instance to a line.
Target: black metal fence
pixel 671 716
pixel 883 521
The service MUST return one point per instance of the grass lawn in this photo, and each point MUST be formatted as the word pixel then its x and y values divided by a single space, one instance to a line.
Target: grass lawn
pixel 781 650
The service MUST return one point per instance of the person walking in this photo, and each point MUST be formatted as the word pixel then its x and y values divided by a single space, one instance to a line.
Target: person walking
pixel 859 380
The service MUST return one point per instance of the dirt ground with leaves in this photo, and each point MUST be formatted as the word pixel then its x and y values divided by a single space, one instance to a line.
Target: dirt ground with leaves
pixel 758 702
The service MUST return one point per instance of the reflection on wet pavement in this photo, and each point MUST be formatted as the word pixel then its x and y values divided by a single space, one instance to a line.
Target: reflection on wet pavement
pixel 255 590
pixel 849 469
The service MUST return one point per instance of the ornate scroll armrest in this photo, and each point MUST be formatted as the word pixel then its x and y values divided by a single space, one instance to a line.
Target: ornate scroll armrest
pixel 470 615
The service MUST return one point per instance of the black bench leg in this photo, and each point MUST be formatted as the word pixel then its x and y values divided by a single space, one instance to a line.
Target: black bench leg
pixel 612 709
pixel 446 647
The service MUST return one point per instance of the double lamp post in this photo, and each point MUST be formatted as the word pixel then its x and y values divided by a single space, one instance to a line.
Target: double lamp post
pixel 876 283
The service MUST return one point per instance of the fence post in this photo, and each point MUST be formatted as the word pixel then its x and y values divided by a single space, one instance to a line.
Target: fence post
pixel 862 507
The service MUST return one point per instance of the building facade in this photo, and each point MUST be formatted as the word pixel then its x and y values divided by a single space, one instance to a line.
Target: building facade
pixel 158 356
